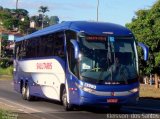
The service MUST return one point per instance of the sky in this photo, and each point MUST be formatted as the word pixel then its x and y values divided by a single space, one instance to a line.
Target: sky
pixel 114 11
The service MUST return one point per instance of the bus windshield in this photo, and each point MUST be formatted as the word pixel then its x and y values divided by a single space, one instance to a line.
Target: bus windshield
pixel 107 60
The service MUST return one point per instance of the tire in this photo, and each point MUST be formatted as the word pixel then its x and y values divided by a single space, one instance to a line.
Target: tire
pixel 67 106
pixel 28 95
pixel 24 92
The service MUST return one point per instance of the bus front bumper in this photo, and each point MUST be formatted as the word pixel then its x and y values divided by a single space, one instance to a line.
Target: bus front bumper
pixel 109 100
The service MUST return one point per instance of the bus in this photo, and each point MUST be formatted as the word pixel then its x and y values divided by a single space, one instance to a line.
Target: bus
pixel 79 63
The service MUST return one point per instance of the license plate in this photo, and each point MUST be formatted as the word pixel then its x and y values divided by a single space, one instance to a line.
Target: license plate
pixel 112 100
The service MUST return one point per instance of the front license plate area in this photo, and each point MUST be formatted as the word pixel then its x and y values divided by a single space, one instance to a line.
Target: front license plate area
pixel 112 100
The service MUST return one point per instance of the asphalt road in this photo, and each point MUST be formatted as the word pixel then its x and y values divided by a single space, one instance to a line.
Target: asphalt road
pixel 47 109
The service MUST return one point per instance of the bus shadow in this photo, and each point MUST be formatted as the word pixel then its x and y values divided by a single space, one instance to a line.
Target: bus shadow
pixel 150 98
pixel 101 110
pixel 97 110
pixel 143 103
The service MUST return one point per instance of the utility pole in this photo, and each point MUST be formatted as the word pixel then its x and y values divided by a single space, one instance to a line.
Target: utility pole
pixel 97 10
pixel 42 20
pixel 16 4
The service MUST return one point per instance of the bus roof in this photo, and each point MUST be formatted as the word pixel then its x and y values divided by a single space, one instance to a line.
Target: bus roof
pixel 91 28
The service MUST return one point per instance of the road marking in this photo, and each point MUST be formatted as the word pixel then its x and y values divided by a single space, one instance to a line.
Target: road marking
pixel 28 108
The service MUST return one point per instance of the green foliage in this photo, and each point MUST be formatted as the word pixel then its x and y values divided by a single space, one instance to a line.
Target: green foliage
pixel 4 63
pixel 1 8
pixel 146 28
pixel 0 114
pixel 54 20
pixel 15 19
pixel 24 25
pixel 157 59
pixel 11 23
pixel 6 67
pixel 43 9
pixel 4 114
pixel 46 21
pixel 20 12
pixel 5 51
pixel 6 71
pixel 18 20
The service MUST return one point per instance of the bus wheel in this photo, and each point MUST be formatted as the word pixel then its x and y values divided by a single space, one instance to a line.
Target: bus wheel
pixel 24 92
pixel 66 105
pixel 28 95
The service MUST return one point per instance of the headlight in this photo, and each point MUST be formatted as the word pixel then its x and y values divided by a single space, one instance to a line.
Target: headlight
pixel 89 90
pixel 134 90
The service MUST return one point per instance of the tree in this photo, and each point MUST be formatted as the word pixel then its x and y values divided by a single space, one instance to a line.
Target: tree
pixel 6 19
pixel 19 13
pixel 15 19
pixel 46 21
pixel 54 20
pixel 1 8
pixel 43 9
pixel 6 10
pixel 24 24
pixel 146 27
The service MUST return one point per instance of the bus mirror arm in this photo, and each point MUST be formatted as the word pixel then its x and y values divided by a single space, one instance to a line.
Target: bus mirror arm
pixel 145 50
pixel 76 48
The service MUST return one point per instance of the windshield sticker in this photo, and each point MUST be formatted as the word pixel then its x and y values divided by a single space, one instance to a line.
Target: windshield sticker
pixel 111 39
pixel 85 66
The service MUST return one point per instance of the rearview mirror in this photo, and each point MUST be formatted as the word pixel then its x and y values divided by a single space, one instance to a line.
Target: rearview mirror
pixel 145 50
pixel 76 48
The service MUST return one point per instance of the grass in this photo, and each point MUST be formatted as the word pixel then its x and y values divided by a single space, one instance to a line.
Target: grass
pixel 7 115
pixel 149 91
pixel 6 71
pixel 6 77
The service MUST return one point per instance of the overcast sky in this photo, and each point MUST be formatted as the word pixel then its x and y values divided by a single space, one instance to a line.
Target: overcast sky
pixel 115 11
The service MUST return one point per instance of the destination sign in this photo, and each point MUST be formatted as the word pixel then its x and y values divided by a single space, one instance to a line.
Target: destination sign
pixel 95 38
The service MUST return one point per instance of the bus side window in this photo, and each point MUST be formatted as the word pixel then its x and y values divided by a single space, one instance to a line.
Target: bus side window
pixel 28 49
pixel 23 49
pixel 33 48
pixel 49 48
pixel 59 45
pixel 42 45
pixel 72 60
pixel 70 51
